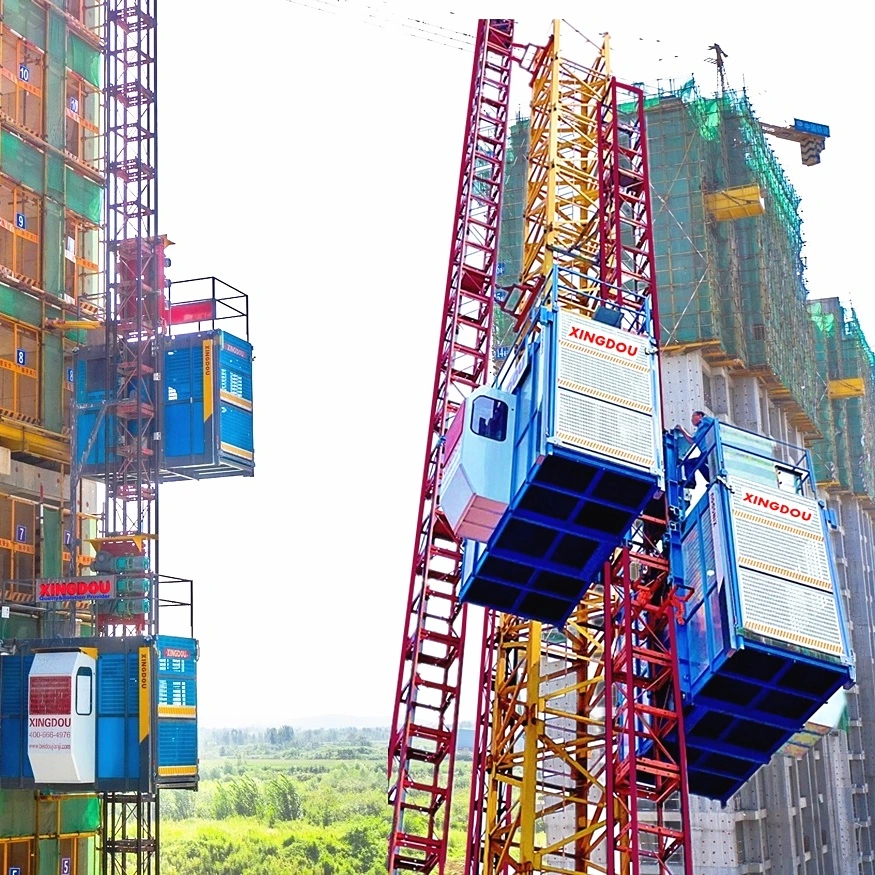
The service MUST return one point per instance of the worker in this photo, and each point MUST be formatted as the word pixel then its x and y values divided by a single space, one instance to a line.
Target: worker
pixel 702 422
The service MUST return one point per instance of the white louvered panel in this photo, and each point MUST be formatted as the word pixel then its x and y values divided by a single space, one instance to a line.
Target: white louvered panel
pixel 603 428
pixel 795 555
pixel 604 362
pixel 784 539
pixel 776 504
pixel 789 612
pixel 604 376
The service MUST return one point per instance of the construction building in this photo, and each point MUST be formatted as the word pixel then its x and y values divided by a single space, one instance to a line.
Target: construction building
pixel 51 196
pixel 742 340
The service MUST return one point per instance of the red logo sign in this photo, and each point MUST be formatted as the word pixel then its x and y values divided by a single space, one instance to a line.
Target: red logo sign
pixel 50 694
pixel 76 588
pixel 777 506
pixel 175 653
pixel 591 337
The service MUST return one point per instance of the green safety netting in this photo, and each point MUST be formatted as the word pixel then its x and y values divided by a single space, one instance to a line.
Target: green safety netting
pixel 44 171
pixel 83 196
pixel 21 161
pixel 17 813
pixel 26 18
pixel 844 361
pixel 56 86
pixel 736 286
pixel 84 60
pixel 80 814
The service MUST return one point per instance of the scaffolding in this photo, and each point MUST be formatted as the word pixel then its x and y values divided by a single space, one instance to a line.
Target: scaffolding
pixel 51 213
pixel 846 365
pixel 511 233
pixel 729 243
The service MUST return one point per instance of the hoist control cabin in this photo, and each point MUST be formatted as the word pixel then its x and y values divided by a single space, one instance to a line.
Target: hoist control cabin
pixel 100 714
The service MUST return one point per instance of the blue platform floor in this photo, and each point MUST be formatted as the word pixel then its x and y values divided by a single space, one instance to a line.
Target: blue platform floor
pixel 747 711
pixel 551 543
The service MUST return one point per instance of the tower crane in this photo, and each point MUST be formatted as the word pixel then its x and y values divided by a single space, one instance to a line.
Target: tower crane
pixel 811 136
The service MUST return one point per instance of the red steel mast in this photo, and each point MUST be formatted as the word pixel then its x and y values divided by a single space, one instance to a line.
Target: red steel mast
pixel 422 745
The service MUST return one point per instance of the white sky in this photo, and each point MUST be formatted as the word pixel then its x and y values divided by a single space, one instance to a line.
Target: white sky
pixel 312 160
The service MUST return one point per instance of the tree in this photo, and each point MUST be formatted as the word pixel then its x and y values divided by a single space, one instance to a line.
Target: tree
pixel 283 799
pixel 178 804
pixel 245 796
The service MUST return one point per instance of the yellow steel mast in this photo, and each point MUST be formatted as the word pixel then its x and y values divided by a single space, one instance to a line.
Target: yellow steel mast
pixel 547 793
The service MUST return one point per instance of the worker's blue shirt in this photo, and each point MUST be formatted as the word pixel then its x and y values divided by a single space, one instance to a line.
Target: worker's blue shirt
pixel 701 430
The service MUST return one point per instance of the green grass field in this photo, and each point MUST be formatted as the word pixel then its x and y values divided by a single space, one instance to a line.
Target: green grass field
pixel 305 806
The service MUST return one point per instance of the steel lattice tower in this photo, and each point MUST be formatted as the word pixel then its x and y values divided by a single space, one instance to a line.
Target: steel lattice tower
pixel 579 754
pixel 423 742
pixel 134 305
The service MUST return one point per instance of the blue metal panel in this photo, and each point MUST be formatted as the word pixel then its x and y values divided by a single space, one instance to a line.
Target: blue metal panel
pixel 15 769
pixel 176 676
pixel 177 743
pixel 90 376
pixel 235 366
pixel 118 717
pixel 208 416
pixel 236 431
pixel 85 420
pixel 90 392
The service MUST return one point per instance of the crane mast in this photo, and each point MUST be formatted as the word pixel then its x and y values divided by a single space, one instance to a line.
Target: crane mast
pixel 425 723
pixel 134 301
pixel 644 719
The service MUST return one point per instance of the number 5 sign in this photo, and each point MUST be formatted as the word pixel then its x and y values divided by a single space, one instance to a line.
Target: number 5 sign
pixel 66 868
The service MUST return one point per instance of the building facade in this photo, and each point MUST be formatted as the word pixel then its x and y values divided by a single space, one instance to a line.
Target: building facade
pixel 51 201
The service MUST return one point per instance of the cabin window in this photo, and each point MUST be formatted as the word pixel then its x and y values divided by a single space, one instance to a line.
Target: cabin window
pixel 489 418
pixel 84 691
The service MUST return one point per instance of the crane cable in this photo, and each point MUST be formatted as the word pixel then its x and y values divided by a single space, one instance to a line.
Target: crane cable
pixel 375 16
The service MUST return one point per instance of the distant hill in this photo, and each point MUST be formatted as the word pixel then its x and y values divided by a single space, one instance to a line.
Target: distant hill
pixel 343 721
pixel 340 721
